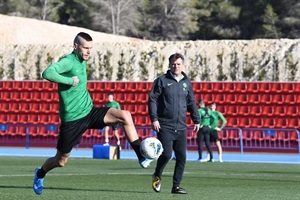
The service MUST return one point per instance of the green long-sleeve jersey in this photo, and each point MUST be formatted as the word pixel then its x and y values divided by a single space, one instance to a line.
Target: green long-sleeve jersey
pixel 215 118
pixel 113 104
pixel 205 115
pixel 75 101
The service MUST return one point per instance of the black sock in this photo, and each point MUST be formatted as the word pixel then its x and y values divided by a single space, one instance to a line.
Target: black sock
pixel 41 173
pixel 136 147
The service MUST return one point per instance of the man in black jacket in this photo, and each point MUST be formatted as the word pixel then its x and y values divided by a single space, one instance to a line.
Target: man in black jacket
pixel 170 98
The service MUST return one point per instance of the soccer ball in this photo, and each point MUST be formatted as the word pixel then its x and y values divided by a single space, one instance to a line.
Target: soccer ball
pixel 151 148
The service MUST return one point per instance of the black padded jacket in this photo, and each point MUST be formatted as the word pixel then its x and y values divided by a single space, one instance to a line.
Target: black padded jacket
pixel 170 100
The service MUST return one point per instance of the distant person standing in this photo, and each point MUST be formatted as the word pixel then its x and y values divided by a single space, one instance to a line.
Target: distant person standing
pixel 112 104
pixel 204 132
pixel 215 128
pixel 170 98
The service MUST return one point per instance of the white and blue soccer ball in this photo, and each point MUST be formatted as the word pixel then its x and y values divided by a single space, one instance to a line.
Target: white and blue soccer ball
pixel 151 148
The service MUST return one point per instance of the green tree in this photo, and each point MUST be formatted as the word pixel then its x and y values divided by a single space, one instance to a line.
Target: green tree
pixel 269 27
pixel 216 20
pixel 165 19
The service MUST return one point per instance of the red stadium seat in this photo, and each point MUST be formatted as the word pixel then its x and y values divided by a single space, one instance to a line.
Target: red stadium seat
pixel 256 110
pixel 294 123
pixel 253 87
pixel 291 99
pixel 11 130
pixel 276 87
pixel 220 98
pixel 247 135
pixel 278 99
pixel 294 136
pixel 142 109
pixel 5 96
pixel 280 111
pixel 288 87
pixel 264 87
pixel 219 87
pixel 232 122
pixel 254 99
pixel 241 87
pixel 233 135
pixel 21 131
pixel 131 108
pixel 266 99
pixel 244 110
pixel 230 98
pixel 141 120
pixel 142 97
pixel 292 111
pixel 258 135
pixel 229 87
pixel 257 122
pixel 282 122
pixel 6 85
pixel 198 87
pixel 5 107
pixel 143 86
pixel 131 98
pixel 242 99
pixel 269 122
pixel 245 122
pixel 4 118
pixel 207 87
pixel 283 136
pixel 232 110
pixel 267 110
pixel 120 97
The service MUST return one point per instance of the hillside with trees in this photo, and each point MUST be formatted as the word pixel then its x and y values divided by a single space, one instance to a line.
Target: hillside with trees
pixel 172 20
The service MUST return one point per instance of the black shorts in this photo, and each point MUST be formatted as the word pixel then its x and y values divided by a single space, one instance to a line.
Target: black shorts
pixel 214 136
pixel 70 132
pixel 114 126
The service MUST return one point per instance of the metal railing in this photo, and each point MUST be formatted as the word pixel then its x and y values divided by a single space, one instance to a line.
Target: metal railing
pixel 255 139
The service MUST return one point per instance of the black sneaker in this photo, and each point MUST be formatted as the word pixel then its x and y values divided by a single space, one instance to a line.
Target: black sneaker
pixel 156 183
pixel 178 190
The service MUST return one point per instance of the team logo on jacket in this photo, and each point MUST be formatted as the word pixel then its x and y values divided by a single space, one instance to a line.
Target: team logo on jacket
pixel 184 86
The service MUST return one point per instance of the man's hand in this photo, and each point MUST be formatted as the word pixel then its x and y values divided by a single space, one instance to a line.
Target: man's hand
pixel 196 128
pixel 217 129
pixel 156 126
pixel 75 80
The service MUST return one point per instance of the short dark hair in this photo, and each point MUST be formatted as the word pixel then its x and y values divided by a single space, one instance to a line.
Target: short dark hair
pixel 85 36
pixel 202 102
pixel 174 57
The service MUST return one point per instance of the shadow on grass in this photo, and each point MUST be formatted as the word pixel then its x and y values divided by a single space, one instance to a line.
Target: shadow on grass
pixel 72 189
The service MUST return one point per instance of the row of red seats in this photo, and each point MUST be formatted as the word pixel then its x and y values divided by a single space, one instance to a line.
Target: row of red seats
pixel 260 110
pixel 142 109
pixel 252 135
pixel 247 87
pixel 266 122
pixel 118 86
pixel 262 98
pixel 141 98
pixel 52 131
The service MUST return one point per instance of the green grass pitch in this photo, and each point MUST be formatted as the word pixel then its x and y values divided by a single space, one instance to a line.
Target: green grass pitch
pixel 124 179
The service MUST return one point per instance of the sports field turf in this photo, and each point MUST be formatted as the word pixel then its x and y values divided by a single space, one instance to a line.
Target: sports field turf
pixel 124 179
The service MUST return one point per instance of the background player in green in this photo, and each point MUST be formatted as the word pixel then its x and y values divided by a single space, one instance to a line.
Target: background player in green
pixel 77 112
pixel 112 104
pixel 215 128
pixel 204 132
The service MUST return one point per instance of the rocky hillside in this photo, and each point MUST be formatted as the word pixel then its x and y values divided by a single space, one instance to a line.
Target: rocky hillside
pixel 28 46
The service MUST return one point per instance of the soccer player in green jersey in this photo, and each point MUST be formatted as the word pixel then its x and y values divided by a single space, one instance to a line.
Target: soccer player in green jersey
pixel 112 104
pixel 204 132
pixel 215 128
pixel 76 110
